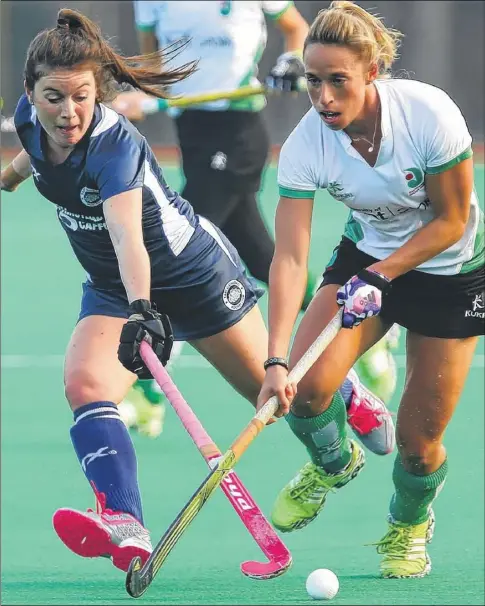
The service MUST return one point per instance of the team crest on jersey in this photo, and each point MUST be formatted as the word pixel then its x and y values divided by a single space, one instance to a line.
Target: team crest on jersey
pixel 219 161
pixel 234 295
pixel 336 190
pixel 414 179
pixel 90 197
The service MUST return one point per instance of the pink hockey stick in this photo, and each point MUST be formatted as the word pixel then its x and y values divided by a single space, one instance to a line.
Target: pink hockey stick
pixel 259 527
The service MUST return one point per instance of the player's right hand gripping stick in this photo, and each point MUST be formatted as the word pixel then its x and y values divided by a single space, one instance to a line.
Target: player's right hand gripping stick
pixel 144 323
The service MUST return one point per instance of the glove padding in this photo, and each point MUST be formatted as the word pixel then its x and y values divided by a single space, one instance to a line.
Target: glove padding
pixel 288 74
pixel 361 297
pixel 144 322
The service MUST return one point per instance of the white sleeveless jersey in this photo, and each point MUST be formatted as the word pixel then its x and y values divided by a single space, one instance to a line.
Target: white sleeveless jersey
pixel 227 38
pixel 423 132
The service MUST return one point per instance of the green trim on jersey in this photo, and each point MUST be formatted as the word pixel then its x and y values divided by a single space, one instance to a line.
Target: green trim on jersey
pixel 478 259
pixel 147 28
pixel 436 170
pixel 257 102
pixel 353 230
pixel 295 193
pixel 276 16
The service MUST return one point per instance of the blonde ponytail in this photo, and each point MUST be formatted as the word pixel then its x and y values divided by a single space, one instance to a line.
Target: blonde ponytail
pixel 348 24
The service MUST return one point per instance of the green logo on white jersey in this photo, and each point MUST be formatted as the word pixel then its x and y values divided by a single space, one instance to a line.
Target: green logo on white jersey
pixel 414 177
pixel 336 190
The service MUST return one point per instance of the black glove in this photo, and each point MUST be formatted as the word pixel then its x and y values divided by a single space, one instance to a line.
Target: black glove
pixel 288 74
pixel 144 321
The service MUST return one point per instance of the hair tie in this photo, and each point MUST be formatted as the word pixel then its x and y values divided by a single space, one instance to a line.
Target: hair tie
pixel 62 23
pixel 69 25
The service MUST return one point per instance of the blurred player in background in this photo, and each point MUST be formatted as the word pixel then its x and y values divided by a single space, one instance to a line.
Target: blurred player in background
pixel 398 153
pixel 224 144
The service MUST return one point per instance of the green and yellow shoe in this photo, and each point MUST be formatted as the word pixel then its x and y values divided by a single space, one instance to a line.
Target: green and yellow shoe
pixel 404 549
pixel 143 409
pixel 304 497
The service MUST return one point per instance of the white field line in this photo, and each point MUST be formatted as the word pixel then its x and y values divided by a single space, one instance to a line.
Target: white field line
pixel 182 361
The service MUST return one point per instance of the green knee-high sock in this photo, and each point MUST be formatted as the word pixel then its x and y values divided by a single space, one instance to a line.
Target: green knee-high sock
pixel 325 436
pixel 414 494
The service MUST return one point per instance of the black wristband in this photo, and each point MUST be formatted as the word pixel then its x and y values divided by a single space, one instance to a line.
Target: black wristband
pixel 375 279
pixel 139 306
pixel 275 362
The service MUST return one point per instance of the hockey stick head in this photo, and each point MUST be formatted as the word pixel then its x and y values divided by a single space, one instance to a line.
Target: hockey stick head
pixel 262 571
pixel 137 583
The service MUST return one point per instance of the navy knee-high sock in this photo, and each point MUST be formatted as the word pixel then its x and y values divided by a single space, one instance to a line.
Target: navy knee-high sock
pixel 107 456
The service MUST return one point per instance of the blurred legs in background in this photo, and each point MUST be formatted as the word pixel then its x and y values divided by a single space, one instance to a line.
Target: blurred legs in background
pixel 377 367
pixel 224 154
pixel 143 408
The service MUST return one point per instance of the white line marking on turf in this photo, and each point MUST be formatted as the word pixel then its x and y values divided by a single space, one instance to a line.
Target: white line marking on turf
pixel 183 361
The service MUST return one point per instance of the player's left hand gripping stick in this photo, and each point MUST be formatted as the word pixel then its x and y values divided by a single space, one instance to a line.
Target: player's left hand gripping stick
pixel 140 577
pixel 252 517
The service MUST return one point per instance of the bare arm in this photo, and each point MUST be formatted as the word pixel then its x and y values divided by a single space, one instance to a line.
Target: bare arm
pixel 450 193
pixel 294 28
pixel 16 172
pixel 123 217
pixel 288 273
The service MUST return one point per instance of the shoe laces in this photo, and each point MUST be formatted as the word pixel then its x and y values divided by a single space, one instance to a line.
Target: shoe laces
pixel 306 484
pixel 395 543
pixel 100 502
pixel 101 508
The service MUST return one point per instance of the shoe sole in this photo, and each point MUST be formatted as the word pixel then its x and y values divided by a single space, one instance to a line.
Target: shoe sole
pixel 381 449
pixel 302 523
pixel 417 575
pixel 86 538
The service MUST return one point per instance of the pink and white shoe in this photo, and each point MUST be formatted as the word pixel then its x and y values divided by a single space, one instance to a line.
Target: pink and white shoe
pixel 369 418
pixel 103 533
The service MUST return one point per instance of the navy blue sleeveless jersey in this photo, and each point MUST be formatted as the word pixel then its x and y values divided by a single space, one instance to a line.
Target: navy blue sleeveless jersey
pixel 113 157
pixel 197 277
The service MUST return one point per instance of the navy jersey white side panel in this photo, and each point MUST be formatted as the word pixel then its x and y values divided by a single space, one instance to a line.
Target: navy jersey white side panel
pixel 176 226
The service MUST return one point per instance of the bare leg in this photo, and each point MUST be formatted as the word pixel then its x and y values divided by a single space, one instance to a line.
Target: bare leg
pixel 92 371
pixel 239 352
pixel 95 382
pixel 317 387
pixel 435 376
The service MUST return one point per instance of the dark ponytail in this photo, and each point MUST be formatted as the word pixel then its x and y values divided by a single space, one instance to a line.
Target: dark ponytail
pixel 76 40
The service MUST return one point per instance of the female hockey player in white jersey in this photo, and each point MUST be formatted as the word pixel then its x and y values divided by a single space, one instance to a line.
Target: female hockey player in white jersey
pixel 398 153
